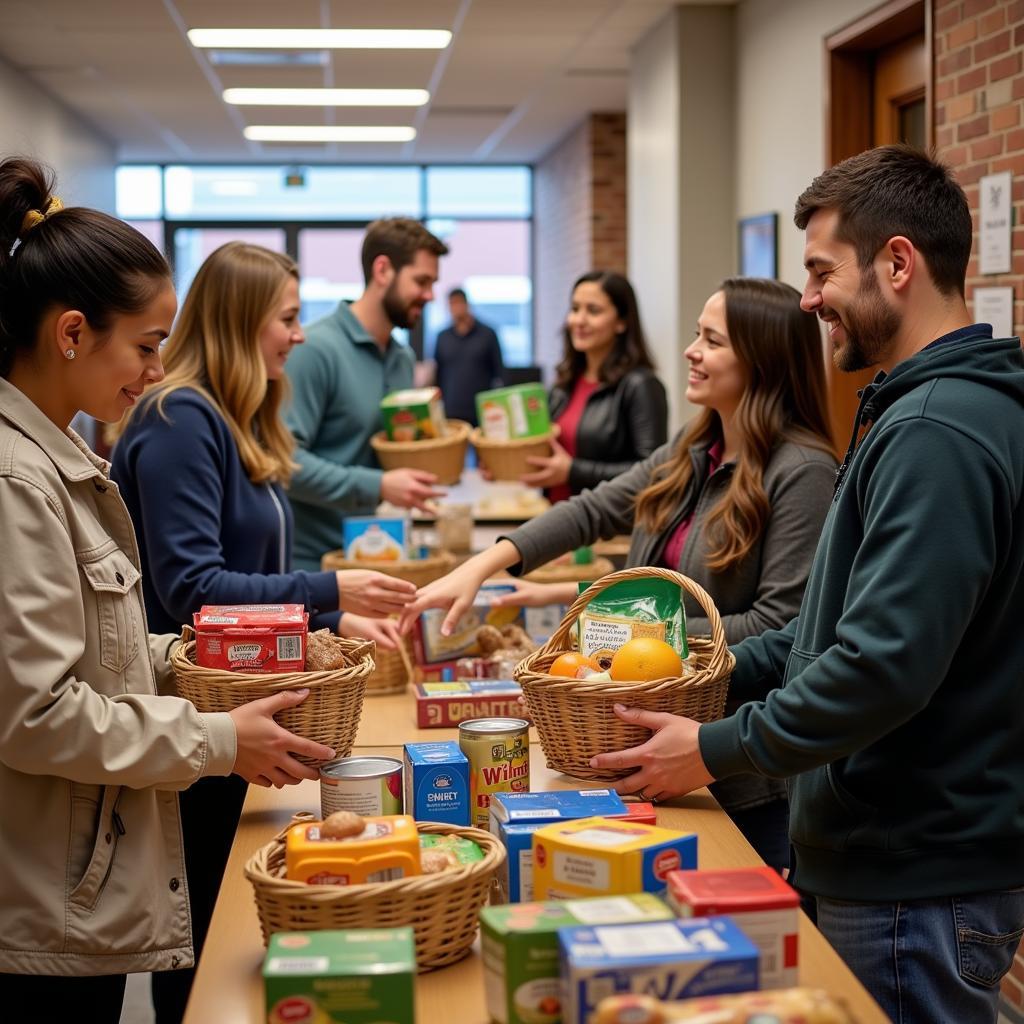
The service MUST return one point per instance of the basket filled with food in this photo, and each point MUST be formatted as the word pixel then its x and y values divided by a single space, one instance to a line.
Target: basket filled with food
pixel 264 649
pixel 623 641
pixel 378 872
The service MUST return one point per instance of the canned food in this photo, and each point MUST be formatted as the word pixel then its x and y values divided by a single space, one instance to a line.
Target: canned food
pixel 498 751
pixel 370 786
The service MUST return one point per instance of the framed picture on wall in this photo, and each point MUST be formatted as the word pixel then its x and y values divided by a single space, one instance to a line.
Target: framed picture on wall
pixel 759 245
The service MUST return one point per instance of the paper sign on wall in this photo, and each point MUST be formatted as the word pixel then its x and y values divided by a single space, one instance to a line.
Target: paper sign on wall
pixel 995 306
pixel 996 222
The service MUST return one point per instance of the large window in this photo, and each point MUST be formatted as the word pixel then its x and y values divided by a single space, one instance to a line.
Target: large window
pixel 317 214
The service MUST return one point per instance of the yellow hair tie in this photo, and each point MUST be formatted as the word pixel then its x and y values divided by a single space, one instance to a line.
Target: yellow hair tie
pixel 34 217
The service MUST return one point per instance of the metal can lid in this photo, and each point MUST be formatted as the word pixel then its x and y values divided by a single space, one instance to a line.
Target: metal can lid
pixel 360 767
pixel 490 726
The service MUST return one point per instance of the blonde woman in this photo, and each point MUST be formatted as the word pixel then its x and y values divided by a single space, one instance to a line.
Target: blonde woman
pixel 202 462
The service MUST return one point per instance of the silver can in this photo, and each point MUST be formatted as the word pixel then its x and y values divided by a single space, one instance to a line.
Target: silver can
pixel 370 786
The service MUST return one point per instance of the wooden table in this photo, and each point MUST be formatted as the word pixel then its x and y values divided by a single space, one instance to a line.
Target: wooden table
pixel 229 989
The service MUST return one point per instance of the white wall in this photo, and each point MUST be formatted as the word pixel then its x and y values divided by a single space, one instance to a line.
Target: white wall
pixel 34 124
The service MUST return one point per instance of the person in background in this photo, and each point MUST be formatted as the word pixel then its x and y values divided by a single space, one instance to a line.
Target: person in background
pixel 349 363
pixel 893 701
pixel 202 462
pixel 468 359
pixel 736 501
pixel 94 742
pixel 610 407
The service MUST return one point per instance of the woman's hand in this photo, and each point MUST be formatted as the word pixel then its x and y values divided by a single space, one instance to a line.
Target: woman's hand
pixel 368 592
pixel 536 595
pixel 668 764
pixel 552 469
pixel 265 749
pixel 383 632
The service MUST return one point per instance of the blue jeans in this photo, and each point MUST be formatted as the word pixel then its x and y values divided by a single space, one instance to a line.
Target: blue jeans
pixel 929 961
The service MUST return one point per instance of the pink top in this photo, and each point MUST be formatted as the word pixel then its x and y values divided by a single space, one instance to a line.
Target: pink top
pixel 673 553
pixel 569 423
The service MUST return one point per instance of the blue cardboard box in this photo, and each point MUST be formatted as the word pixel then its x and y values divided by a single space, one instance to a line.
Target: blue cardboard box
pixel 437 782
pixel 670 960
pixel 375 538
pixel 560 805
pixel 516 879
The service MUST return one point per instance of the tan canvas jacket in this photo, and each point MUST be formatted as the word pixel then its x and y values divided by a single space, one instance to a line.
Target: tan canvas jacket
pixel 92 879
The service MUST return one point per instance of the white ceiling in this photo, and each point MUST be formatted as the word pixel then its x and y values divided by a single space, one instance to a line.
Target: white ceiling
pixel 517 76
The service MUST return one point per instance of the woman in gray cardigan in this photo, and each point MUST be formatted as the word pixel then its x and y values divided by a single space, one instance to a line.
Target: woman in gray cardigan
pixel 736 501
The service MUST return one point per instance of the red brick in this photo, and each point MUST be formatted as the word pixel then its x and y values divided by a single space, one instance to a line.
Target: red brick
pixel 971 174
pixel 1018 36
pixel 1015 12
pixel 1018 87
pixel 992 46
pixel 971 191
pixel 955 156
pixel 940 116
pixel 973 7
pixel 1006 117
pixel 1004 67
pixel 953 62
pixel 993 21
pixel 1015 141
pixel 992 146
pixel 965 32
pixel 1009 163
pixel 947 17
pixel 944 90
pixel 961 107
pixel 972 129
pixel 973 79
pixel 943 137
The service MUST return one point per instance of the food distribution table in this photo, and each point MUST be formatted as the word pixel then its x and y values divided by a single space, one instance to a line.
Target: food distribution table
pixel 229 989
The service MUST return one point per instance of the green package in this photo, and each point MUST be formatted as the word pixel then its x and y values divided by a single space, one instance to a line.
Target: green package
pixel 465 851
pixel 506 414
pixel 414 414
pixel 628 609
pixel 360 976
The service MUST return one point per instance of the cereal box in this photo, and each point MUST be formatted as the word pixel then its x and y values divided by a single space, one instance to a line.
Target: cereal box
pixel 255 638
pixel 449 702
pixel 414 414
pixel 362 976
pixel 665 959
pixel 607 856
pixel 437 782
pixel 757 900
pixel 375 538
pixel 520 950
pixel 432 647
pixel 509 413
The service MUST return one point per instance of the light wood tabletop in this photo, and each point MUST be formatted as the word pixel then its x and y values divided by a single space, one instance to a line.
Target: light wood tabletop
pixel 228 987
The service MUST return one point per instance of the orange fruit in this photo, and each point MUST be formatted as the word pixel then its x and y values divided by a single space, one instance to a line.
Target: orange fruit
pixel 645 658
pixel 568 664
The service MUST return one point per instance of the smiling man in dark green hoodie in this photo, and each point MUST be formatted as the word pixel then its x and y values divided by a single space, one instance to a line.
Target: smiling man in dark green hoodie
pixel 894 702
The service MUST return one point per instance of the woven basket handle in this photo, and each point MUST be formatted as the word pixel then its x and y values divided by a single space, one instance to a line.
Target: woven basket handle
pixel 298 818
pixel 188 634
pixel 560 638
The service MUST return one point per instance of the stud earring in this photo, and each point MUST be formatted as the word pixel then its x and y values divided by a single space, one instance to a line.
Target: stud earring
pixel 70 354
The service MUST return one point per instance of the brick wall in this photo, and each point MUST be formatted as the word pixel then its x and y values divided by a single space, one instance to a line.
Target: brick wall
pixel 979 130
pixel 579 221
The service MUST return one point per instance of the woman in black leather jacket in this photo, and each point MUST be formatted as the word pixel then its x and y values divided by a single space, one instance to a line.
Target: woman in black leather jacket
pixel 611 408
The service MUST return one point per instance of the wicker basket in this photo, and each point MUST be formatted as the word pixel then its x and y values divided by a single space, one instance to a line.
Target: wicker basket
pixel 506 460
pixel 574 717
pixel 329 715
pixel 443 456
pixel 571 572
pixel 393 671
pixel 442 909
pixel 419 571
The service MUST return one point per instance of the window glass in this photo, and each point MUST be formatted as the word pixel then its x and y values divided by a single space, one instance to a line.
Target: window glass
pixel 152 229
pixel 193 245
pixel 139 193
pixel 478 192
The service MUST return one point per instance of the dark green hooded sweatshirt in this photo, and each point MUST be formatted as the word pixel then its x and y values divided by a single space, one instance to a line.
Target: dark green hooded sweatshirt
pixel 894 702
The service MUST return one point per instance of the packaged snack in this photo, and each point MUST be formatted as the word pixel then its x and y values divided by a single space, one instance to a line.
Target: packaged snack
pixel 414 414
pixel 506 414
pixel 363 976
pixel 677 959
pixel 520 950
pixel 437 783
pixel 788 1006
pixel 387 848
pixel 431 647
pixel 629 609
pixel 376 538
pixel 446 703
pixel 758 900
pixel 455 848
pixel 256 638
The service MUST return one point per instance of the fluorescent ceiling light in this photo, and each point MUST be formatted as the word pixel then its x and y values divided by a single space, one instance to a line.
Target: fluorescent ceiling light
pixel 328 133
pixel 327 97
pixel 269 58
pixel 320 38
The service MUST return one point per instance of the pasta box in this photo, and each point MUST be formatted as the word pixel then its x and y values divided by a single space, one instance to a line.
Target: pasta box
pixel 251 637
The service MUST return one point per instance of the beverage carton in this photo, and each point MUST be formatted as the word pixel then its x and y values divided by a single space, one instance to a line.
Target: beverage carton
pixel 506 414
pixel 256 638
pixel 668 960
pixel 362 976
pixel 375 538
pixel 520 950
pixel 414 414
pixel 437 782
pixel 757 900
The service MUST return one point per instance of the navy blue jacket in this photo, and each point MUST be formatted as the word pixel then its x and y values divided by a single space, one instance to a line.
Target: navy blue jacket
pixel 207 534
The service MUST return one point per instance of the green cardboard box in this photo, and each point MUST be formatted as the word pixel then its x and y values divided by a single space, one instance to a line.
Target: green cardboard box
pixel 506 414
pixel 362 976
pixel 414 414
pixel 520 950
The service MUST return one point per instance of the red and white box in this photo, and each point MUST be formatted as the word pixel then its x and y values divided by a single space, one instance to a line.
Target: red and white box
pixel 758 900
pixel 259 638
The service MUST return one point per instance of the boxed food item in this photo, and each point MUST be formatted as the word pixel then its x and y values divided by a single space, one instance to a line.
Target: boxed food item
pixel 440 704
pixel 670 959
pixel 388 847
pixel 758 900
pixel 375 538
pixel 260 638
pixel 362 976
pixel 437 782
pixel 431 647
pixel 787 1006
pixel 607 856
pixel 557 805
pixel 506 414
pixel 520 950
pixel 414 414
pixel 631 609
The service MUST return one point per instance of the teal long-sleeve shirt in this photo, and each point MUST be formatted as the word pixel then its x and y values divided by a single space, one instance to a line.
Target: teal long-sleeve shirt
pixel 338 378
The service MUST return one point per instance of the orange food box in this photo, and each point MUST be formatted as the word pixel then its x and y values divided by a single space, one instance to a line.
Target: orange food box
pixel 388 848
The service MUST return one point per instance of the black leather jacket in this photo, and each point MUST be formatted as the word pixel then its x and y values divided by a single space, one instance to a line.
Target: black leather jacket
pixel 620 425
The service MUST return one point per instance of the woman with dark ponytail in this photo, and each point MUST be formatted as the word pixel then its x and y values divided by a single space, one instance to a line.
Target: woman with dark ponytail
pixel 94 744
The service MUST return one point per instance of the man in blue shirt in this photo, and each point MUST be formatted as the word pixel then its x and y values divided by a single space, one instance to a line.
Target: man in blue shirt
pixel 349 363
pixel 468 358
